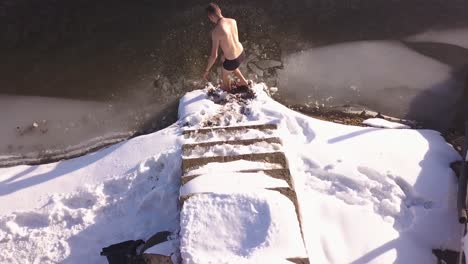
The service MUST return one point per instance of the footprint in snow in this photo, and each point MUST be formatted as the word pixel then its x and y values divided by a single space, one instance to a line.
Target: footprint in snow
pixel 307 131
pixel 116 186
pixel 80 200
pixel 31 219
pixel 410 198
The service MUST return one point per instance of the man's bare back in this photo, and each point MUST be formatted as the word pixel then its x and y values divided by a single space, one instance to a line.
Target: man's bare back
pixel 226 33
pixel 225 36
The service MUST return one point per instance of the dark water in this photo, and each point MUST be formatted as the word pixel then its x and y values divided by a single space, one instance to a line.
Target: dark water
pixel 90 71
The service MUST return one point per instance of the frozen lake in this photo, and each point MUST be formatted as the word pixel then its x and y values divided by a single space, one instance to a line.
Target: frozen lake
pixel 77 75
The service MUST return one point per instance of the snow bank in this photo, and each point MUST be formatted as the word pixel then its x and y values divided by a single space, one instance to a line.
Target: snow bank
pixel 367 195
pixel 67 211
pixel 196 102
pixel 382 123
pixel 37 182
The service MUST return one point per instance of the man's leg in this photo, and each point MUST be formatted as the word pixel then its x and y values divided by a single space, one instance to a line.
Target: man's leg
pixel 239 75
pixel 226 85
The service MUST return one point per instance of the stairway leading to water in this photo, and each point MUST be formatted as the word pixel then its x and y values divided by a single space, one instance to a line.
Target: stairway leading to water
pixel 238 199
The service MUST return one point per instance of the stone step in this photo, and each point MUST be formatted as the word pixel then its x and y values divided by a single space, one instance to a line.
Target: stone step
pixel 231 147
pixel 282 174
pixel 286 191
pixel 218 181
pixel 299 260
pixel 230 128
pixel 268 206
pixel 291 194
pixel 231 183
pixel 230 133
pixel 242 142
pixel 272 157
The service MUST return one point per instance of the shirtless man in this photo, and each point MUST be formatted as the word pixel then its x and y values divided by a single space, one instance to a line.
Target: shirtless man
pixel 225 35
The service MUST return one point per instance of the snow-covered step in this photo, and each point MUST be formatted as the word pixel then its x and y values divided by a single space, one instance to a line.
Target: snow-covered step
pixel 240 184
pixel 241 142
pixel 236 180
pixel 259 161
pixel 231 148
pixel 250 227
pixel 232 166
pixel 230 128
pixel 292 196
pixel 237 183
pixel 282 174
pixel 231 182
pixel 230 133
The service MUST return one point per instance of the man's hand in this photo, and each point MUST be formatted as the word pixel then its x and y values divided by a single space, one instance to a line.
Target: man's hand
pixel 205 75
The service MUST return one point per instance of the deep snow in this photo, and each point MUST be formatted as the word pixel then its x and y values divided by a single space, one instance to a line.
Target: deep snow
pixel 366 194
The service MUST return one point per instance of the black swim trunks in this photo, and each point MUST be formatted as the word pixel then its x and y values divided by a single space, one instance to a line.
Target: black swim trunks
pixel 231 65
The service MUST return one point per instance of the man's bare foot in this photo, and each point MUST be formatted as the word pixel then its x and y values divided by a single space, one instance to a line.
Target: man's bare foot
pixel 243 88
pixel 247 85
pixel 243 83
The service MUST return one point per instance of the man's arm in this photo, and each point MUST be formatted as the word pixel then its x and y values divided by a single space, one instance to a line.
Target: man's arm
pixel 214 52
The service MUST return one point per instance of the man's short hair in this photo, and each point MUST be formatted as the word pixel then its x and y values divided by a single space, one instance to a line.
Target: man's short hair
pixel 213 9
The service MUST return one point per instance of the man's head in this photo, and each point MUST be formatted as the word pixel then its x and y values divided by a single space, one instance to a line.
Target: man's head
pixel 214 12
